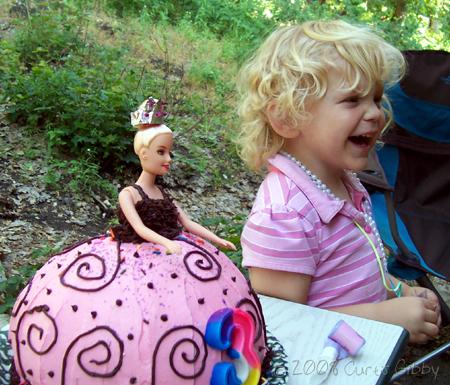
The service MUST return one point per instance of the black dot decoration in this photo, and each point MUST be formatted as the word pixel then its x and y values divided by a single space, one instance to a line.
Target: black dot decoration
pixel 23 342
pixel 233 279
pixel 174 275
pixel 136 255
pixel 150 285
pixel 164 318
pixel 58 265
pixel 30 372
pixel 93 314
pixel 133 380
pixel 42 275
pixel 225 291
pixel 119 302
pixel 201 301
pixel 75 308
pixel 51 374
pixel 130 337
pixel 49 291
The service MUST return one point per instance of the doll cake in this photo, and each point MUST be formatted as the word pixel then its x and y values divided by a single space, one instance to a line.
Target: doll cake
pixel 105 312
pixel 161 306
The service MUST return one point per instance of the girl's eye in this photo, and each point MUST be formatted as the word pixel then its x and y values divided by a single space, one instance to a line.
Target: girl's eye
pixel 352 99
pixel 160 152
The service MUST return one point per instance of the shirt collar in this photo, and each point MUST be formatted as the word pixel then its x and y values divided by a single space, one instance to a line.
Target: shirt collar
pixel 326 207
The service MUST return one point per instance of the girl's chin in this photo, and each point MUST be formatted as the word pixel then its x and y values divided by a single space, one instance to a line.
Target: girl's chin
pixel 361 165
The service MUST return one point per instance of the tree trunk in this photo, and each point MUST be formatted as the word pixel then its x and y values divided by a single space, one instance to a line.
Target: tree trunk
pixel 400 9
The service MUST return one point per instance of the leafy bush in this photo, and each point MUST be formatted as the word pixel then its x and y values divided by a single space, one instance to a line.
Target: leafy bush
pixel 78 176
pixel 84 111
pixel 49 37
pixel 10 66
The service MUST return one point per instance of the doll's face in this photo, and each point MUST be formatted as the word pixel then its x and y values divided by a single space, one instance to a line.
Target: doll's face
pixel 156 159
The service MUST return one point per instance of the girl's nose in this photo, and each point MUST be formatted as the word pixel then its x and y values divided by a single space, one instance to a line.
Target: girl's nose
pixel 374 111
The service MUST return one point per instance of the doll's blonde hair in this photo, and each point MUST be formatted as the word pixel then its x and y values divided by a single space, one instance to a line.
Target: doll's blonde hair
pixel 290 69
pixel 144 137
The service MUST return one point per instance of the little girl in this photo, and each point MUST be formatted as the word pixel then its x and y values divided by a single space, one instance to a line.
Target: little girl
pixel 312 108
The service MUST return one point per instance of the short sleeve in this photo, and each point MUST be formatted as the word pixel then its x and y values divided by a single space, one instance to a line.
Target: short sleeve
pixel 279 238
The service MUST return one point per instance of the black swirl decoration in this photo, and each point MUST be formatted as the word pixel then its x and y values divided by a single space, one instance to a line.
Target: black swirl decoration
pixel 200 263
pixel 249 306
pixel 192 339
pixel 88 272
pixel 110 344
pixel 41 334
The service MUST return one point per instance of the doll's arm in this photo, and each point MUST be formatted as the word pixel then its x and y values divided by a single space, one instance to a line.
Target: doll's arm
pixel 128 208
pixel 280 284
pixel 197 229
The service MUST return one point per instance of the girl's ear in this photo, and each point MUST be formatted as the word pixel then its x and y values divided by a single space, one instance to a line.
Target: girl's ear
pixel 279 124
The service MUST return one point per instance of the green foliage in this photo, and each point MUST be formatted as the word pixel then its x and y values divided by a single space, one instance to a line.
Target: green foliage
pixel 204 73
pixel 62 80
pixel 12 285
pixel 81 98
pixel 413 24
pixel 49 37
pixel 78 176
pixel 84 111
pixel 10 66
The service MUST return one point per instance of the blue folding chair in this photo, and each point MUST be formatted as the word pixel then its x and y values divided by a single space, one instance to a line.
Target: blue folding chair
pixel 409 177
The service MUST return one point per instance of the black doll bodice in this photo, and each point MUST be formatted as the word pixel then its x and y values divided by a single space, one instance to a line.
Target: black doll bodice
pixel 159 215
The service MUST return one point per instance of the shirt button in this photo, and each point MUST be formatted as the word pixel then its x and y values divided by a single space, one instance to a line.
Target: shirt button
pixel 368 229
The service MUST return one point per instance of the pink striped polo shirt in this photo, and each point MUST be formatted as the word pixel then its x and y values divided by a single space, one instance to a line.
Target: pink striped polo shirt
pixel 295 227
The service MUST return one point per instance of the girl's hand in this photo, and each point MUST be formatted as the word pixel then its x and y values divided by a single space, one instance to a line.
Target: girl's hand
pixel 226 244
pixel 172 247
pixel 418 315
pixel 422 292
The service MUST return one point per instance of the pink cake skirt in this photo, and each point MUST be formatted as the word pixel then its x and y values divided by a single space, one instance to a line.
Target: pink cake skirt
pixel 105 312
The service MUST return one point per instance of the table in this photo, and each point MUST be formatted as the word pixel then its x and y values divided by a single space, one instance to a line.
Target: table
pixel 302 330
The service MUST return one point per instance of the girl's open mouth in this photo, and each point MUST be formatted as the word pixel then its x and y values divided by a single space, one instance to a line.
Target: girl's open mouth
pixel 361 140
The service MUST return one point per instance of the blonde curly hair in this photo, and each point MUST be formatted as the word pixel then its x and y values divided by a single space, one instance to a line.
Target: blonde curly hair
pixel 290 69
